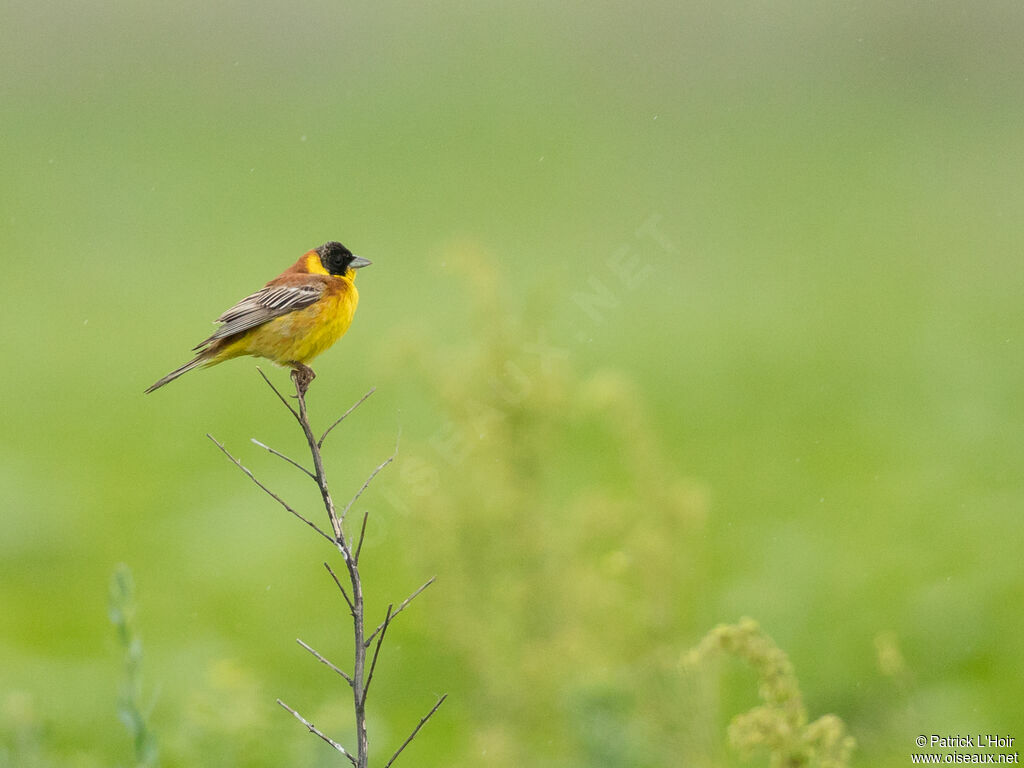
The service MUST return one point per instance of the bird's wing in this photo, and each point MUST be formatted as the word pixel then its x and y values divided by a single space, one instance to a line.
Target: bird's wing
pixel 264 305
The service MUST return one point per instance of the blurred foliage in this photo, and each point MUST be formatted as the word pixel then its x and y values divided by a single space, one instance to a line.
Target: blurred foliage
pixel 130 707
pixel 780 726
pixel 685 311
pixel 565 536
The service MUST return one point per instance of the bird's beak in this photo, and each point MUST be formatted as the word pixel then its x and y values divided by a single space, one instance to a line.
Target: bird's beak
pixel 358 262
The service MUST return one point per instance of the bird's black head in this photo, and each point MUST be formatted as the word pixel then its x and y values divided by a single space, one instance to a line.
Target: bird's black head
pixel 338 260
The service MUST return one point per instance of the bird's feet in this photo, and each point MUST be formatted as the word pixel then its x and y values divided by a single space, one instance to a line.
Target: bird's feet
pixel 303 376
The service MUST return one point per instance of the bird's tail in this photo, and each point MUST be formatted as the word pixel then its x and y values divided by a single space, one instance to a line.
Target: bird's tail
pixel 197 360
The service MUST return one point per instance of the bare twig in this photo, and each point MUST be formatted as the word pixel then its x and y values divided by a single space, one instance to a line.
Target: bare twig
pixel 277 453
pixel 318 469
pixel 301 381
pixel 277 392
pixel 401 607
pixel 362 535
pixel 314 730
pixel 362 674
pixel 320 442
pixel 416 730
pixel 366 485
pixel 324 661
pixel 337 581
pixel 266 490
pixel 376 652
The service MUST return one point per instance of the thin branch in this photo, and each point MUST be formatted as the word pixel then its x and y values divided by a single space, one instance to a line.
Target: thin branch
pixel 314 730
pixel 362 536
pixel 362 676
pixel 278 393
pixel 320 476
pixel 337 581
pixel 320 442
pixel 277 453
pixel 269 492
pixel 366 485
pixel 324 661
pixel 400 608
pixel 416 730
pixel 376 652
pixel 313 525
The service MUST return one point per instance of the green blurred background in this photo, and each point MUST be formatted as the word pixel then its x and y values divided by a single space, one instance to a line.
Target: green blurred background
pixel 685 311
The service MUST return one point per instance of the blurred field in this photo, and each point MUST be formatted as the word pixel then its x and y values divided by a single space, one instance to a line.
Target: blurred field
pixel 686 312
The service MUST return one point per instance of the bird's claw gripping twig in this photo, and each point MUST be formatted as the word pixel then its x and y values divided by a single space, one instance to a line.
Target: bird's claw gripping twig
pixel 303 376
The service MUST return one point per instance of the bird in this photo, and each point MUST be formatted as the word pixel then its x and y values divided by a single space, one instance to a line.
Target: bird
pixel 291 320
